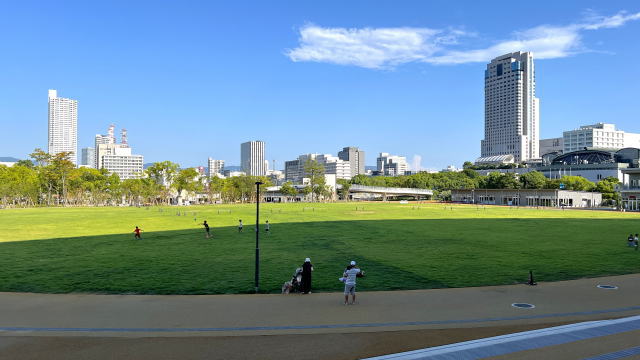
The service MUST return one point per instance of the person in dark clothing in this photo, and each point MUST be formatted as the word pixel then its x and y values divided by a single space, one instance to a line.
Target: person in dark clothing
pixel 206 229
pixel 307 268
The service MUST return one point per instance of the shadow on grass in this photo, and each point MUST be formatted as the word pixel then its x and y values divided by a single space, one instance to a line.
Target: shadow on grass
pixel 396 254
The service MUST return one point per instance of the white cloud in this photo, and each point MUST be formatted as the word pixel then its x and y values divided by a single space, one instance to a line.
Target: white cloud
pixel 596 21
pixel 370 48
pixel 389 47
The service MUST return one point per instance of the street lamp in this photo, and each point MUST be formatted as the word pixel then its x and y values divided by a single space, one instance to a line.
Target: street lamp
pixel 257 278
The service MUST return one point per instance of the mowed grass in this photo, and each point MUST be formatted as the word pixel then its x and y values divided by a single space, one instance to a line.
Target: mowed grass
pixel 401 246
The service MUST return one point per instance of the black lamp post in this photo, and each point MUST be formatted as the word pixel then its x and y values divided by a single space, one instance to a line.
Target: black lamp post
pixel 257 279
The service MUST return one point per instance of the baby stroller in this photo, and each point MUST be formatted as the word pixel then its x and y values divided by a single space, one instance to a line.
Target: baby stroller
pixel 295 284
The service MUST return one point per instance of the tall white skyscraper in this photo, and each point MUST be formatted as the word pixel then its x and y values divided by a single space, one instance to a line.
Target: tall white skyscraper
pixel 252 158
pixel 511 108
pixel 63 125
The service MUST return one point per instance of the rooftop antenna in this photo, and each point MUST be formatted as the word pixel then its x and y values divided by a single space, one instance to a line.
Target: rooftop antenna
pixel 111 133
pixel 123 137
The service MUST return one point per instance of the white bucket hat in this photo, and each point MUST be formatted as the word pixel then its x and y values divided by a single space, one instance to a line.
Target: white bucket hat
pixel 307 260
pixel 353 263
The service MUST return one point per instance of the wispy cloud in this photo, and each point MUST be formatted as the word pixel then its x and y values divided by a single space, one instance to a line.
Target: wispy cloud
pixel 389 47
pixel 370 48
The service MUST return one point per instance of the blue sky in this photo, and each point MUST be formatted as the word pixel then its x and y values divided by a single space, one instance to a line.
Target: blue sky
pixel 192 79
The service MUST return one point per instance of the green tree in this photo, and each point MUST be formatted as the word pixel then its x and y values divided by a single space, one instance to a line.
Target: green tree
pixel 533 180
pixel 315 172
pixel 344 191
pixel 187 180
pixel 288 190
pixel 607 187
pixel 163 173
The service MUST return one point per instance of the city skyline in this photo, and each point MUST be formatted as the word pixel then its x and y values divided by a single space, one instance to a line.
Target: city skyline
pixel 266 84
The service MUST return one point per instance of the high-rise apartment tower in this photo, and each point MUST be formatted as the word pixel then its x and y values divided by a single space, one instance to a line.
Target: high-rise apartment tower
pixel 63 126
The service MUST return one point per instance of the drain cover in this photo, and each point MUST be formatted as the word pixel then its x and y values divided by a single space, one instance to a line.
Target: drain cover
pixel 523 305
pixel 610 287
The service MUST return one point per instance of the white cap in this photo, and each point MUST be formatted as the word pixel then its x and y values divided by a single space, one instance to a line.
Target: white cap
pixel 307 260
pixel 353 262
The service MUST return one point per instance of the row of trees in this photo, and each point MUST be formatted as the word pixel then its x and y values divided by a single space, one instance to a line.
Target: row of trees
pixel 50 180
pixel 470 179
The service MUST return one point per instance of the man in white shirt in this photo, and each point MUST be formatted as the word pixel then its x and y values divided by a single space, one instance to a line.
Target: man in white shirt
pixel 350 275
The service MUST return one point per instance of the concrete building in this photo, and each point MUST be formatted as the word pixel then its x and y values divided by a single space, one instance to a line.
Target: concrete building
pixel 231 173
pixel 593 165
pixel 600 136
pixel 88 157
pixel 553 145
pixel 63 126
pixel 335 166
pixel 215 167
pixel 630 189
pixel 511 125
pixel 123 163
pixel 391 165
pixel 117 158
pixel 294 169
pixel 252 158
pixel 355 157
pixel 528 197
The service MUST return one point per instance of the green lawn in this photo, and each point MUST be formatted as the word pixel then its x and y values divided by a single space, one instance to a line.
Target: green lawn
pixel 61 250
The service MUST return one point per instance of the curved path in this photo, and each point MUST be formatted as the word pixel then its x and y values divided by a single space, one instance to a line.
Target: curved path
pixel 313 326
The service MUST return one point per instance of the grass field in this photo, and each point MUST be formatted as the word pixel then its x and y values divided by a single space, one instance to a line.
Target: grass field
pixel 411 246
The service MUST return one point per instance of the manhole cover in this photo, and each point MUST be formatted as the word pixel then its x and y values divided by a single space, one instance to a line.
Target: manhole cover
pixel 523 305
pixel 609 287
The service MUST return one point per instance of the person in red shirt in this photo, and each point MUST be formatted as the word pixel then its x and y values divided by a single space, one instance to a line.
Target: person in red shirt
pixel 137 233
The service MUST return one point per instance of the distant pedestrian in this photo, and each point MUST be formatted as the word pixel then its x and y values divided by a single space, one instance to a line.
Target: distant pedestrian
pixel 307 268
pixel 240 225
pixel 630 240
pixel 206 229
pixel 268 227
pixel 350 275
pixel 137 232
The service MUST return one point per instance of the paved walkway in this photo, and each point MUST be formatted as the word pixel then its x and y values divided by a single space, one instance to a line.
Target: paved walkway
pixel 466 313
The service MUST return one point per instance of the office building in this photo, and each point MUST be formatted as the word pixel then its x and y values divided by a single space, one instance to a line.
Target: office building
pixel 391 165
pixel 553 145
pixel 117 158
pixel 355 157
pixel 252 158
pixel 511 122
pixel 294 169
pixel 88 157
pixel 63 126
pixel 335 166
pixel 599 136
pixel 215 167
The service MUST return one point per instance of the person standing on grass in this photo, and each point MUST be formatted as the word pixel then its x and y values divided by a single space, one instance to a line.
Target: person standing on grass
pixel 351 273
pixel 307 268
pixel 240 225
pixel 137 232
pixel 206 229
pixel 267 227
pixel 630 240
